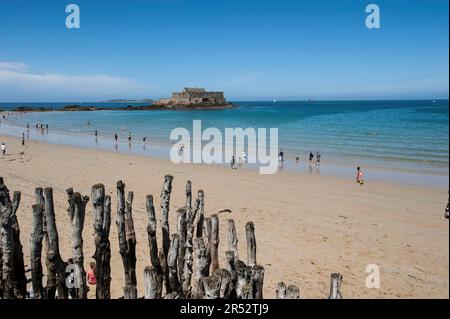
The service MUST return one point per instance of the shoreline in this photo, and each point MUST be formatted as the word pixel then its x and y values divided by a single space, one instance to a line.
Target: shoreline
pixel 160 149
pixel 320 224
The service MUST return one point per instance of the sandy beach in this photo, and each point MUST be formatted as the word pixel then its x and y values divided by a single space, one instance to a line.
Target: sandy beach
pixel 307 226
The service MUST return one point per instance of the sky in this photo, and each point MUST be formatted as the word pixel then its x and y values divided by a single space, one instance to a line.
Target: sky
pixel 250 49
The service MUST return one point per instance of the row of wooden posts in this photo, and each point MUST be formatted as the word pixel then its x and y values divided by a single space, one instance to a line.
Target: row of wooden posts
pixel 185 266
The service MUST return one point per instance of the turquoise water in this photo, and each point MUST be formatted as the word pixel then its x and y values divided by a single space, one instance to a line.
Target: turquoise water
pixel 400 135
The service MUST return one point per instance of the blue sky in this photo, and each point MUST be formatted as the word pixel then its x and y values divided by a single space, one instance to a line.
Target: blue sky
pixel 250 49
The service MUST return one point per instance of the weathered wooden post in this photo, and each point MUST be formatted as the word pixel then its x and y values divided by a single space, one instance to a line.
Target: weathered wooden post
pixel 251 244
pixel 281 290
pixel 154 273
pixel 201 212
pixel 127 240
pixel 225 283
pixel 54 262
pixel 232 238
pixel 207 239
pixel 6 212
pixel 214 243
pixel 165 207
pixel 37 235
pixel 199 268
pixel 102 224
pixel 258 281
pixel 211 285
pixel 242 277
pixel 182 231
pixel 19 266
pixel 152 283
pixel 172 259
pixel 231 267
pixel 335 286
pixel 77 212
pixel 188 259
pixel 188 194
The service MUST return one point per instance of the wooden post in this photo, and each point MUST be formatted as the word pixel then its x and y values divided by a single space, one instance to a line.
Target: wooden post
pixel 251 244
pixel 335 286
pixel 292 292
pixel 225 283
pixel 182 231
pixel 152 283
pixel 188 260
pixel 77 212
pixel 165 203
pixel 214 243
pixel 242 277
pixel 201 213
pixel 151 231
pixel 199 268
pixel 37 235
pixel 188 194
pixel 53 259
pixel 247 291
pixel 231 267
pixel 206 232
pixel 6 212
pixel 281 290
pixel 232 238
pixel 127 240
pixel 172 259
pixel 19 266
pixel 258 280
pixel 102 224
pixel 212 287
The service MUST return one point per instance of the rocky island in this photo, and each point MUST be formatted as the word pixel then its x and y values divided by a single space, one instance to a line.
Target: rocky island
pixel 189 99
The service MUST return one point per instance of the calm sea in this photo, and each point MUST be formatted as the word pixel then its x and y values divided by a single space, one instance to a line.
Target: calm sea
pixel 400 135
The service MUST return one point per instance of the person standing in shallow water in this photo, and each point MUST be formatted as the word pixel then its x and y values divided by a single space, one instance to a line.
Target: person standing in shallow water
pixel 115 137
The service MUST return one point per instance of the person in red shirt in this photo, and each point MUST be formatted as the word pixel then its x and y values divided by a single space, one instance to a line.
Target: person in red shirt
pixel 359 176
pixel 91 279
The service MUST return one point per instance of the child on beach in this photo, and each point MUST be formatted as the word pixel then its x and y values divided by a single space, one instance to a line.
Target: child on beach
pixel 359 176
pixel 3 148
pixel 91 279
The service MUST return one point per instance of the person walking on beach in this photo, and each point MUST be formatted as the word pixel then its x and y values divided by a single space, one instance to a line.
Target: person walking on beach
pixel 359 176
pixel 115 137
pixel 233 162
pixel 129 137
pixel 96 133
pixel 311 157
pixel 23 139
pixel 3 148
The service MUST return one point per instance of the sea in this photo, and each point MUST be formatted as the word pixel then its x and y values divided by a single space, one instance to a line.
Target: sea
pixel 397 141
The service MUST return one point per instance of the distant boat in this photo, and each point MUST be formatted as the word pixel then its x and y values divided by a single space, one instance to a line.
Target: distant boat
pixel 274 101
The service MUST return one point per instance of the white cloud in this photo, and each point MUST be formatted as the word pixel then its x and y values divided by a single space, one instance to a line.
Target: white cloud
pixel 13 66
pixel 17 77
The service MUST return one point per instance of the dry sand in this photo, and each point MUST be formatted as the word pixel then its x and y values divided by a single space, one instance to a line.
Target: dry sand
pixel 307 226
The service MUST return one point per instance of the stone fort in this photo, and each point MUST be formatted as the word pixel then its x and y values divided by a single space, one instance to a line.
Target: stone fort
pixel 193 96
